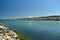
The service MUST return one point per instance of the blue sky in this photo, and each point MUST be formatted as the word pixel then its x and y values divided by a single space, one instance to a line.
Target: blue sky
pixel 23 8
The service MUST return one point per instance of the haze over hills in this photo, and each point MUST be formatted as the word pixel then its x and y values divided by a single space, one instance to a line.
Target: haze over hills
pixel 54 17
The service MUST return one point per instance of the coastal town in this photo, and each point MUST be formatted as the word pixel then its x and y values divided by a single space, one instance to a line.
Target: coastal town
pixel 7 34
pixel 41 18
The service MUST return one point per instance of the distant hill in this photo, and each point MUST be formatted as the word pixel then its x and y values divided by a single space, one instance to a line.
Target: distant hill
pixel 51 18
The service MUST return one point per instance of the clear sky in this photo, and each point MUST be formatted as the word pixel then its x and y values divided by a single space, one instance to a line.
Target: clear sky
pixel 23 8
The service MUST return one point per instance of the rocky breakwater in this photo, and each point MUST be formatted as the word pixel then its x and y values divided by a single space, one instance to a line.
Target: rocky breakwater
pixel 8 34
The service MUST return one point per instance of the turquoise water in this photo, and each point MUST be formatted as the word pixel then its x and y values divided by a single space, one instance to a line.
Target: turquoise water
pixel 36 30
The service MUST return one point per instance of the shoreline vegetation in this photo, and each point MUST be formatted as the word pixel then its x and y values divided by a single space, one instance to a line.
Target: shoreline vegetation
pixel 43 18
pixel 19 36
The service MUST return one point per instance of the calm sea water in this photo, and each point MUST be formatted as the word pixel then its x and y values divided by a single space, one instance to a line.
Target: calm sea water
pixel 36 30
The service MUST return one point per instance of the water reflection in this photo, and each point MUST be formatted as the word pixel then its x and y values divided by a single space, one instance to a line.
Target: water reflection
pixel 37 30
pixel 30 23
